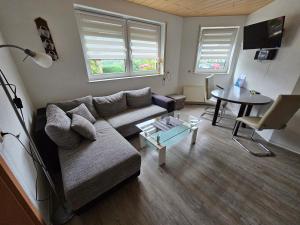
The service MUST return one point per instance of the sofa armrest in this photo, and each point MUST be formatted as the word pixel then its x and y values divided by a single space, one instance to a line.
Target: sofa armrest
pixel 164 102
pixel 47 148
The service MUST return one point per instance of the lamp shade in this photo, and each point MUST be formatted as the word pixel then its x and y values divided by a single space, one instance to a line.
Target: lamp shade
pixel 42 59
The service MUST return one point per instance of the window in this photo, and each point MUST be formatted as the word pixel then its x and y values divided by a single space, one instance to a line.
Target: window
pixel 116 47
pixel 215 49
pixel 144 44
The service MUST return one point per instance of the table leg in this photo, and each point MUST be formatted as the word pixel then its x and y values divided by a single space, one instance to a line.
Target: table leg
pixel 247 113
pixel 217 108
pixel 142 141
pixel 240 114
pixel 194 134
pixel 162 155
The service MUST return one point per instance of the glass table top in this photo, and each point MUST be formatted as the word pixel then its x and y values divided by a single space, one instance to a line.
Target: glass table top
pixel 164 129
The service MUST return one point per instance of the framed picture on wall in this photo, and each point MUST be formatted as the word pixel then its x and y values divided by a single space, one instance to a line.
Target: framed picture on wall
pixel 46 38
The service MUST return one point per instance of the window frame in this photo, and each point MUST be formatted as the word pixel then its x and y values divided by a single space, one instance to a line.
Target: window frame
pixel 230 61
pixel 129 73
pixel 93 77
pixel 149 72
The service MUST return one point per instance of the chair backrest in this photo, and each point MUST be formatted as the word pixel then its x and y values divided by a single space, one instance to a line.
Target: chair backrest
pixel 209 86
pixel 281 111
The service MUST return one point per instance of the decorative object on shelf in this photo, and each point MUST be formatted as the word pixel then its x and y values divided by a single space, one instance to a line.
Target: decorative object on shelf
pixel 63 213
pixel 46 37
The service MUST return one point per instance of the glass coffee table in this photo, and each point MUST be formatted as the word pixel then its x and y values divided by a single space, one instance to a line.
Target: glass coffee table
pixel 167 130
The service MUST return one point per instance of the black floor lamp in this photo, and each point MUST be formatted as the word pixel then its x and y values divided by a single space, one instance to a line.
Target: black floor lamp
pixel 63 213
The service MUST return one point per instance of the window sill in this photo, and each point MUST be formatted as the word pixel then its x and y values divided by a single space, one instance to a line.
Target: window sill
pixel 123 78
pixel 208 73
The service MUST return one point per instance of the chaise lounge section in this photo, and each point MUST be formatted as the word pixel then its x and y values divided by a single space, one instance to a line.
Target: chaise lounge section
pixel 95 167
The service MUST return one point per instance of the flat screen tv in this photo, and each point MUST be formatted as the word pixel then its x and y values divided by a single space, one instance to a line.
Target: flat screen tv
pixel 266 34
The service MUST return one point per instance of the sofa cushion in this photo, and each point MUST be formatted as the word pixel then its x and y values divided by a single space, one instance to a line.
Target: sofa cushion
pixel 102 125
pixel 110 105
pixel 83 127
pixel 58 128
pixel 95 167
pixel 125 122
pixel 71 104
pixel 83 111
pixel 139 98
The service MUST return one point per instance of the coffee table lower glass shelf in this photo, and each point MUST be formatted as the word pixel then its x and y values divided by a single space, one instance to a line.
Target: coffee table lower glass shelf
pixel 167 130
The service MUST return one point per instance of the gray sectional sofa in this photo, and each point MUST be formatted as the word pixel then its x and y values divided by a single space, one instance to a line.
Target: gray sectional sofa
pixel 90 168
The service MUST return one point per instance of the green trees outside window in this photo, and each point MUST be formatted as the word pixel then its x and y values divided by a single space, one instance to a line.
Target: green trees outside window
pixel 106 66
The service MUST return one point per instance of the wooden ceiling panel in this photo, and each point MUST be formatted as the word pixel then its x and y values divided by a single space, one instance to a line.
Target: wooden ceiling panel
pixel 204 7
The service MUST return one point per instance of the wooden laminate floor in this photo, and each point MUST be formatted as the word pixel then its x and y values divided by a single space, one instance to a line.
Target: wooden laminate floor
pixel 212 183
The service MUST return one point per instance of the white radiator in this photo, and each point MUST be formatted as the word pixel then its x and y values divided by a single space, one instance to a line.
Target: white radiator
pixel 194 94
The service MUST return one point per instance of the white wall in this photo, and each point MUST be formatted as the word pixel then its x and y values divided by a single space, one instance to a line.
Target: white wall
pixel 67 78
pixel 278 76
pixel 12 152
pixel 191 27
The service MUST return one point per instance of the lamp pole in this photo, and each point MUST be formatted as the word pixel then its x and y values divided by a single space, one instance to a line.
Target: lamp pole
pixel 34 148
pixel 63 214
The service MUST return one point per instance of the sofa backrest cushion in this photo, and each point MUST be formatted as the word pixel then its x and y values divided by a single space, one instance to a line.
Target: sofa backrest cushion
pixel 71 104
pixel 110 105
pixel 139 98
pixel 83 111
pixel 58 128
pixel 83 127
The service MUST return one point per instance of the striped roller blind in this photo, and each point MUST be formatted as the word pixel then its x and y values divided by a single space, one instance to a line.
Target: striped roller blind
pixel 144 40
pixel 215 49
pixel 102 36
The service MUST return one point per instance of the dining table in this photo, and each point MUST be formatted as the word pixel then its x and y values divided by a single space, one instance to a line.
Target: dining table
pixel 238 95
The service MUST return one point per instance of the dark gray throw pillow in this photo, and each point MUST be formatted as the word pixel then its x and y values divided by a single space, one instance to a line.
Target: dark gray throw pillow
pixel 58 128
pixel 107 106
pixel 83 111
pixel 83 127
pixel 139 98
pixel 71 104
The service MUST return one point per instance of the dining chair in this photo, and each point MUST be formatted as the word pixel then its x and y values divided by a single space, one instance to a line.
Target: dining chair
pixel 276 117
pixel 209 86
